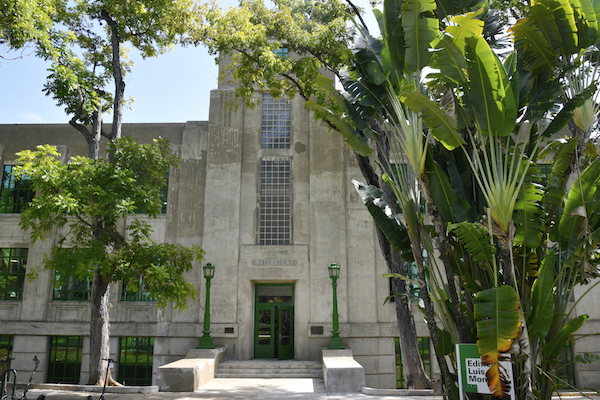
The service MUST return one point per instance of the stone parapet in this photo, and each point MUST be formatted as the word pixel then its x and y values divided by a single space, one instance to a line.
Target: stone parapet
pixel 341 373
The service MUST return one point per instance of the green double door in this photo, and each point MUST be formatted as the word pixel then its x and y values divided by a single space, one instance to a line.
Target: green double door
pixel 274 321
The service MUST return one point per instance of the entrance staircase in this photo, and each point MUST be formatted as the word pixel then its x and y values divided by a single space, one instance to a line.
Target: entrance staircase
pixel 269 369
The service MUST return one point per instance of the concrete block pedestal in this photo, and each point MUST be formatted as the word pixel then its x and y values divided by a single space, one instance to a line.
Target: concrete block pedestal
pixel 190 373
pixel 341 373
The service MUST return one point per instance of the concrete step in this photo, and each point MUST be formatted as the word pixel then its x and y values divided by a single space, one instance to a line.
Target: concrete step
pixel 269 369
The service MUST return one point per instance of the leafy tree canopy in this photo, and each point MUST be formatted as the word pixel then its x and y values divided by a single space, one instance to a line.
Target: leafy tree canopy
pixel 85 199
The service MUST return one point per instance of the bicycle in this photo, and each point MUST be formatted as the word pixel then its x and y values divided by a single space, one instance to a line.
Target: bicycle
pixel 37 363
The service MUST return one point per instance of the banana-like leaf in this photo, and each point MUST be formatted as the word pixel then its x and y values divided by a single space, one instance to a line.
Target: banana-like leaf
pixel 553 349
pixel 587 23
pixel 537 53
pixel 580 201
pixel 450 60
pixel 566 113
pixel 385 218
pixel 556 21
pixel 498 321
pixel 449 205
pixel 467 25
pixel 587 358
pixel 420 29
pixel 442 126
pixel 476 240
pixel 488 90
pixel 528 213
pixel 394 33
pixel 542 299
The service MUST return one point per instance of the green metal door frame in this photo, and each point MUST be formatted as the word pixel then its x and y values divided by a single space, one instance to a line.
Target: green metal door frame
pixel 274 325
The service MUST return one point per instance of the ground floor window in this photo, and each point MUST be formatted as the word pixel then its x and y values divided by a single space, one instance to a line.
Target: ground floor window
pixel 6 344
pixel 565 368
pixel 64 364
pixel 425 356
pixel 135 361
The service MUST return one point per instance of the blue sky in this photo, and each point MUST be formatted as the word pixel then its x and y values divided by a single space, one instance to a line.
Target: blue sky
pixel 174 87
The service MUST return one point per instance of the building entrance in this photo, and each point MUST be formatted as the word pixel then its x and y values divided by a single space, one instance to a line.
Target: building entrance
pixel 274 321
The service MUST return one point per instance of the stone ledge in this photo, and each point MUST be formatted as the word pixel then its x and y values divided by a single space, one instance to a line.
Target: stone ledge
pixel 397 392
pixel 191 372
pixel 341 373
pixel 94 389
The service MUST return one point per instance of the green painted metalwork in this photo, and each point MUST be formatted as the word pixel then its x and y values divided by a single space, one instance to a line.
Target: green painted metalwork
pixel 274 321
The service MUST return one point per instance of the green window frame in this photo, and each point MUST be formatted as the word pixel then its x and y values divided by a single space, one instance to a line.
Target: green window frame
pixel 13 262
pixel 6 345
pixel 71 289
pixel 15 195
pixel 136 292
pixel 424 350
pixel 282 52
pixel 565 368
pixel 135 361
pixel 64 362
pixel 164 194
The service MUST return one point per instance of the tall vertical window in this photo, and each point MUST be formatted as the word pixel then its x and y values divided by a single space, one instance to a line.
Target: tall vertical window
pixel 275 123
pixel 135 361
pixel 64 364
pixel 14 195
pixel 425 356
pixel 275 203
pixel 12 273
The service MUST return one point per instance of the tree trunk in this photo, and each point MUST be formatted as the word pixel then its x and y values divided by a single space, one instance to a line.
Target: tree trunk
pixel 117 73
pixel 99 334
pixel 414 373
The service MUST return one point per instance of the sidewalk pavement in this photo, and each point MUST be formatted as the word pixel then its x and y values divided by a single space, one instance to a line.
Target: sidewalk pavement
pixel 242 389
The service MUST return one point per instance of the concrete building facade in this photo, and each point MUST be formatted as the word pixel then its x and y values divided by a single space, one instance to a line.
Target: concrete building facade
pixel 267 193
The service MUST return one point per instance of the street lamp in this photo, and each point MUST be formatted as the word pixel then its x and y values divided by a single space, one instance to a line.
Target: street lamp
pixel 206 341
pixel 335 341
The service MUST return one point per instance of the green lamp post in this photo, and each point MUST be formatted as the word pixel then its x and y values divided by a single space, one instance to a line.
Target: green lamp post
pixel 335 341
pixel 206 341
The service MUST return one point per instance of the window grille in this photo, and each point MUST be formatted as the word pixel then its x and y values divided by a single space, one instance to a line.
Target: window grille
pixel 136 291
pixel 135 363
pixel 565 368
pixel 13 262
pixel 71 288
pixel 275 123
pixel 14 195
pixel 282 52
pixel 64 364
pixel 275 203
pixel 425 356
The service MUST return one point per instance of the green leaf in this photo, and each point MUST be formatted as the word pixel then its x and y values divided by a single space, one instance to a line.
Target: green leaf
pixel 579 202
pixel 537 53
pixel 449 205
pixel 445 344
pixel 587 358
pixel 383 216
pixel 552 350
pixel 442 126
pixel 476 240
pixel 498 321
pixel 566 113
pixel 542 299
pixel 420 29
